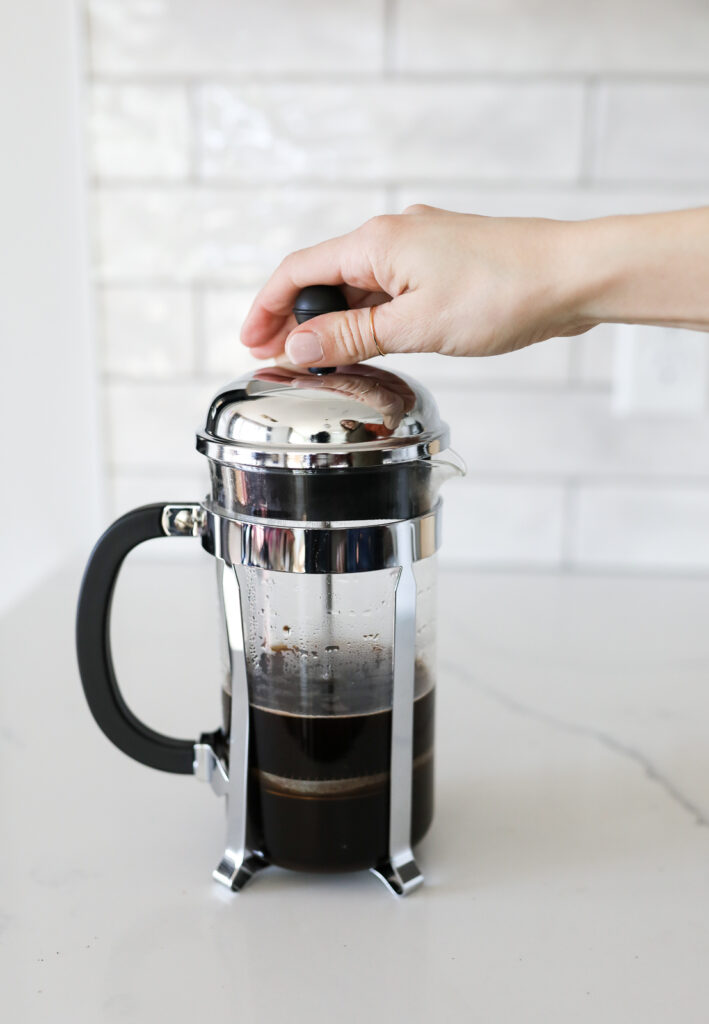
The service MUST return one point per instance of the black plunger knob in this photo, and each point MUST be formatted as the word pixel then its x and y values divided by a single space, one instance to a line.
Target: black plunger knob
pixel 314 301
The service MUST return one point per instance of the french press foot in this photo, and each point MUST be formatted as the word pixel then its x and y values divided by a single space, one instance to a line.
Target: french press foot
pixel 401 877
pixel 235 873
pixel 239 864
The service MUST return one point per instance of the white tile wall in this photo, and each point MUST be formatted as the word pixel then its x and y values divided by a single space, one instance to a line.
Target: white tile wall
pixel 139 131
pixel 183 38
pixel 551 36
pixel 539 364
pixel 560 202
pixel 642 527
pixel 494 524
pixel 129 490
pixel 652 131
pixel 153 426
pixel 392 131
pixel 223 135
pixel 197 233
pixel 660 370
pixel 592 355
pixel 147 332
pixel 224 311
pixel 572 434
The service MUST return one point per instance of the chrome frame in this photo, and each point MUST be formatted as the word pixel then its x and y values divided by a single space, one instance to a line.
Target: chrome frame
pixel 401 874
pixel 294 547
pixel 288 547
pixel 348 456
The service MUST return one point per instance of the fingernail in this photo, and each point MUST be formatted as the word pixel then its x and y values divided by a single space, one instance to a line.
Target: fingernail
pixel 304 348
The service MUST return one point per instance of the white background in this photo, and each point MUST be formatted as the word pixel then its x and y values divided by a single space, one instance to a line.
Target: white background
pixel 50 469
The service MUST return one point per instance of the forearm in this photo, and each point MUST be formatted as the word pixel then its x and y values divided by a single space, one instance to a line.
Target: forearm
pixel 644 269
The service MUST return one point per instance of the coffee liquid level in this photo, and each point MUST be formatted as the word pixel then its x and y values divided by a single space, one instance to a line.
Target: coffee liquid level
pixel 318 791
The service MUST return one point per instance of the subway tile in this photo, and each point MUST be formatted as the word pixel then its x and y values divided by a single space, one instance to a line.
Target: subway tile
pixel 238 235
pixel 217 37
pixel 592 357
pixel 391 131
pixel 139 131
pixel 561 203
pixel 224 311
pixel 497 524
pixel 653 132
pixel 549 36
pixel 545 363
pixel 146 332
pixel 660 371
pixel 558 433
pixel 642 527
pixel 152 426
pixel 129 490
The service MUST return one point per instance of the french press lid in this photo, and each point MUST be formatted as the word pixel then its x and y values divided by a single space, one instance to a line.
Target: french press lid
pixel 361 420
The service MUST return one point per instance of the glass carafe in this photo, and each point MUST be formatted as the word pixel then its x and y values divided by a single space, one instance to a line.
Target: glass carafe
pixel 319 653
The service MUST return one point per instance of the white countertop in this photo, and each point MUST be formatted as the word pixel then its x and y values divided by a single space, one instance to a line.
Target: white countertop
pixel 567 870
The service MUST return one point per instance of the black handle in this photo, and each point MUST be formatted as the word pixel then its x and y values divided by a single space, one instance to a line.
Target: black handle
pixel 93 647
pixel 314 301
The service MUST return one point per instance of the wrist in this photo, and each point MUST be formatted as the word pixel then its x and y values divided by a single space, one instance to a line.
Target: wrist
pixel 641 268
pixel 592 270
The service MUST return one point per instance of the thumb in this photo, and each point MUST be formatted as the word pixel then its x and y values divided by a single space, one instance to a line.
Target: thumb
pixel 340 339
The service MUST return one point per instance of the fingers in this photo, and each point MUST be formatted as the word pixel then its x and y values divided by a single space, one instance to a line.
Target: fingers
pixel 336 339
pixel 369 264
pixel 342 339
pixel 337 261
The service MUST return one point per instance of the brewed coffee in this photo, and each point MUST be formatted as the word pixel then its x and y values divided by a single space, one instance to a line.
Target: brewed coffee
pixel 318 791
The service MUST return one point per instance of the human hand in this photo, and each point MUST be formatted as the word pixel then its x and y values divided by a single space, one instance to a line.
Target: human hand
pixel 458 284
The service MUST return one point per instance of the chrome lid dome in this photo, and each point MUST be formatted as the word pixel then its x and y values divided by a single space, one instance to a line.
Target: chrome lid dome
pixel 288 418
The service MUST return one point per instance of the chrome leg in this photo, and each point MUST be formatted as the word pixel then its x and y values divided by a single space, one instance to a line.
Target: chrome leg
pixel 400 873
pixel 239 863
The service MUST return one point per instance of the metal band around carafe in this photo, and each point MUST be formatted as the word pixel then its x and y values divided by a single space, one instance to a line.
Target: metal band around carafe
pixel 301 549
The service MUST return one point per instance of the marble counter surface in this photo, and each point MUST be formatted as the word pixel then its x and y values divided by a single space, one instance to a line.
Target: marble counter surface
pixel 567 870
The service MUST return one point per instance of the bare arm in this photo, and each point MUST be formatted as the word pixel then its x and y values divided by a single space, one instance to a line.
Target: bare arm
pixel 465 285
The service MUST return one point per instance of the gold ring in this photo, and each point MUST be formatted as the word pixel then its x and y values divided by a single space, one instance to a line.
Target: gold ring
pixel 371 329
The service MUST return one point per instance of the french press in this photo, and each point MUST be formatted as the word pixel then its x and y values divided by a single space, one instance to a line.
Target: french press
pixel 323 518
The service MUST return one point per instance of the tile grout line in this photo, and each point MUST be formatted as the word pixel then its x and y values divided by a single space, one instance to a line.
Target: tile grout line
pixel 391 203
pixel 198 333
pixel 588 133
pixel 490 185
pixel 195 129
pixel 145 78
pixel 573 370
pixel 569 516
pixel 390 15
